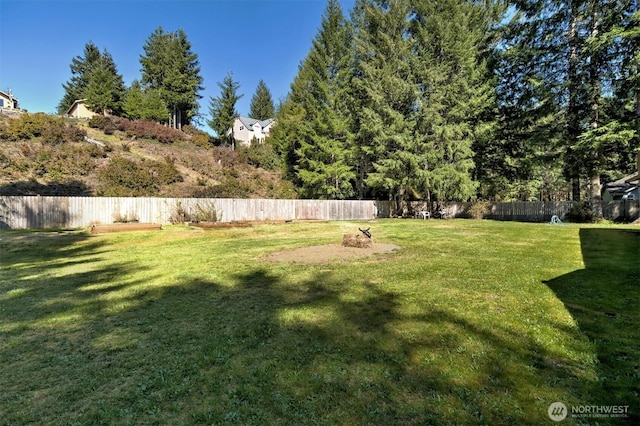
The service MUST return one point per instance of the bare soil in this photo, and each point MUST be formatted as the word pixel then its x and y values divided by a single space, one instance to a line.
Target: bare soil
pixel 329 253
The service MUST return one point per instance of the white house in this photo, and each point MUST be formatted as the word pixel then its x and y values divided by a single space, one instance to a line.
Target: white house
pixel 246 129
pixel 7 101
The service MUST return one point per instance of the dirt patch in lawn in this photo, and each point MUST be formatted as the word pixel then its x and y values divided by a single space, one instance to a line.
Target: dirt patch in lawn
pixel 329 253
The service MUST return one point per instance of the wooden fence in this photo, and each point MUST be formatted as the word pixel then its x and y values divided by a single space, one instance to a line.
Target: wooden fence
pixel 535 211
pixel 17 212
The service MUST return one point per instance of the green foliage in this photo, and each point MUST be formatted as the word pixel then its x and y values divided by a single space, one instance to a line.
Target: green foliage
pixel 285 137
pixel 81 68
pixel 322 147
pixel 45 163
pixel 173 70
pixel 223 109
pixel 567 96
pixel 145 104
pixel 261 155
pixel 105 88
pixel 581 212
pixel 51 130
pixel 198 137
pixel 479 209
pixel 262 106
pixel 206 211
pixel 122 177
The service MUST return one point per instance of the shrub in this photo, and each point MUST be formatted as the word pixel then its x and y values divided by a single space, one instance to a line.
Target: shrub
pixel 59 133
pixel 52 129
pixel 198 137
pixel 108 124
pixel 165 171
pixel 261 155
pixel 152 130
pixel 580 212
pixel 179 214
pixel 123 177
pixel 207 212
pixel 479 209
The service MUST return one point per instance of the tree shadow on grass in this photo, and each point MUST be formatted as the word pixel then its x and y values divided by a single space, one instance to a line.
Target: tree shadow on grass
pixel 96 347
pixel 266 352
pixel 604 299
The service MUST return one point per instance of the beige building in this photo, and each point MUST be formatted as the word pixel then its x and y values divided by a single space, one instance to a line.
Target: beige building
pixel 246 129
pixel 80 110
pixel 7 101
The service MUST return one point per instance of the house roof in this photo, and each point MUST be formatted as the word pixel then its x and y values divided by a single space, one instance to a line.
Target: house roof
pixel 8 96
pixel 249 122
pixel 76 102
pixel 624 185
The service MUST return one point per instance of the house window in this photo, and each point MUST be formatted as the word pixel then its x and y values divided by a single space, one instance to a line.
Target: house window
pixel 1 103
pixel 241 127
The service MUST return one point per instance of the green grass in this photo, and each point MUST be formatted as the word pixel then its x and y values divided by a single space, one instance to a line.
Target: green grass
pixel 471 322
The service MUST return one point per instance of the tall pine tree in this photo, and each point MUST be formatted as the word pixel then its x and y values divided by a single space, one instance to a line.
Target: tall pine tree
pixel 570 62
pixel 385 95
pixel 169 66
pixel 145 104
pixel 312 133
pixel 323 151
pixel 223 111
pixel 81 67
pixel 456 94
pixel 262 106
pixel 105 90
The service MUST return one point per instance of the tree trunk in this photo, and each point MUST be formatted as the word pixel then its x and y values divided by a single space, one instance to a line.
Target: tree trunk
pixel 573 126
pixel 594 99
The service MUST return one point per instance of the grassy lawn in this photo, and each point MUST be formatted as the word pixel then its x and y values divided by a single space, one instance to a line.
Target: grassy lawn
pixel 470 322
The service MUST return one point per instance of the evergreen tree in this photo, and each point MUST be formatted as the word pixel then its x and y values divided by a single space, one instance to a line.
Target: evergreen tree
pixel 154 107
pixel 285 134
pixel 170 67
pixel 610 137
pixel 565 49
pixel 262 107
pixel 145 104
pixel 105 90
pixel 134 101
pixel 387 94
pixel 81 67
pixel 223 109
pixel 457 97
pixel 323 139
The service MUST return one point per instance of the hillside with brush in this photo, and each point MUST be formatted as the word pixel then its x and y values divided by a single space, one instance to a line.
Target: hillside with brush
pixel 42 154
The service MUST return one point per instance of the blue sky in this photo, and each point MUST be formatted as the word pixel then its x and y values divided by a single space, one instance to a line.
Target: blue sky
pixel 253 39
